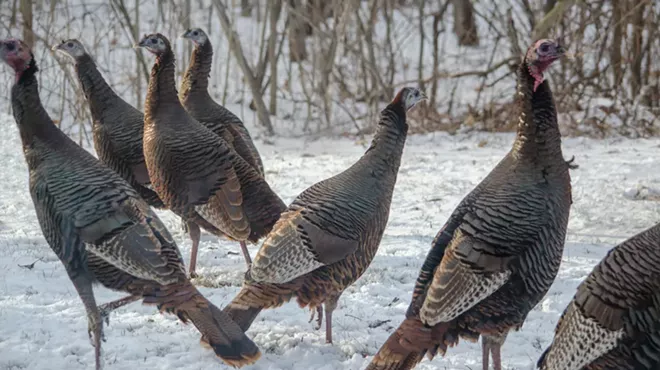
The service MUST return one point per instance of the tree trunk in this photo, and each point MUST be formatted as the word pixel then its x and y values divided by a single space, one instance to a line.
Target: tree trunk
pixel 246 8
pixel 637 54
pixel 617 40
pixel 376 81
pixel 465 26
pixel 422 40
pixel 328 60
pixel 26 13
pixel 436 59
pixel 14 8
pixel 553 17
pixel 136 36
pixel 119 8
pixel 237 49
pixel 297 31
pixel 276 9
pixel 318 11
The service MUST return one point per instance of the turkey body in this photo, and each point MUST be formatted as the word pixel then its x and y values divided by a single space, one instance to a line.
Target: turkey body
pixel 500 250
pixel 196 173
pixel 103 231
pixel 613 321
pixel 117 130
pixel 196 100
pixel 329 235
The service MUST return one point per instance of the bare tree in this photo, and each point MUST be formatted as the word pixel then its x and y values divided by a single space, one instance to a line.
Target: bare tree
pixel 346 58
pixel 26 14
pixel 552 17
pixel 297 31
pixel 275 10
pixel 237 50
pixel 343 10
pixel 465 26
pixel 246 8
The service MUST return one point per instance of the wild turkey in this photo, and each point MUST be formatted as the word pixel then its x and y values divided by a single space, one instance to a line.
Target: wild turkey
pixel 328 236
pixel 194 171
pixel 500 250
pixel 196 100
pixel 613 323
pixel 116 125
pixel 102 230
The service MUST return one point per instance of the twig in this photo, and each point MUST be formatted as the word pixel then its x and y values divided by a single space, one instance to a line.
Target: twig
pixel 31 265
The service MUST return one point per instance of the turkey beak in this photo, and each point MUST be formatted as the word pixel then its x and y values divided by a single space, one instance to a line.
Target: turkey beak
pixel 140 44
pixel 560 50
pixel 185 35
pixel 56 47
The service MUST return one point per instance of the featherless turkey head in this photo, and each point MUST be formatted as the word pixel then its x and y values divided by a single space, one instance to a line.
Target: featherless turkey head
pixel 196 35
pixel 409 97
pixel 155 43
pixel 72 47
pixel 16 54
pixel 539 57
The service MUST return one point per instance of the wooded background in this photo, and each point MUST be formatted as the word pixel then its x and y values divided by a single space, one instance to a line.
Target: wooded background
pixel 315 67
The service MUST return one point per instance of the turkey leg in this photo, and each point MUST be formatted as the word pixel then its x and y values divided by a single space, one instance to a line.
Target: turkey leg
pixel 107 308
pixel 491 346
pixel 330 305
pixel 497 358
pixel 195 234
pixel 318 313
pixel 94 323
pixel 246 254
pixel 485 353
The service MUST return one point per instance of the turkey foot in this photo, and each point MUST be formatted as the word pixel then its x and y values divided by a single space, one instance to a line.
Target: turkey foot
pixel 83 285
pixel 319 319
pixel 95 332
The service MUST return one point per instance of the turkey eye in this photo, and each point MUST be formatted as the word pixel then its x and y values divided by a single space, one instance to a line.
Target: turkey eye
pixel 195 33
pixel 154 41
pixel 69 44
pixel 10 46
pixel 544 48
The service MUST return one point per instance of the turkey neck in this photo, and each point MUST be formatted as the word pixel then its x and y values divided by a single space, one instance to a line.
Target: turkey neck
pixel 161 94
pixel 33 121
pixel 538 135
pixel 387 145
pixel 97 91
pixel 196 80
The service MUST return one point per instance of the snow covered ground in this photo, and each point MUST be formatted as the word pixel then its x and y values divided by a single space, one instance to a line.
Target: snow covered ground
pixel 42 323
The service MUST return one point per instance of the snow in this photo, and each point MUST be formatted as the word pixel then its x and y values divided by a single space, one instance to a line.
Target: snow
pixel 42 322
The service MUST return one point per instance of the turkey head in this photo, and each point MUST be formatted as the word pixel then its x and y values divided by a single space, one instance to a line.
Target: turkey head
pixel 409 97
pixel 155 43
pixel 71 47
pixel 16 54
pixel 540 55
pixel 196 35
